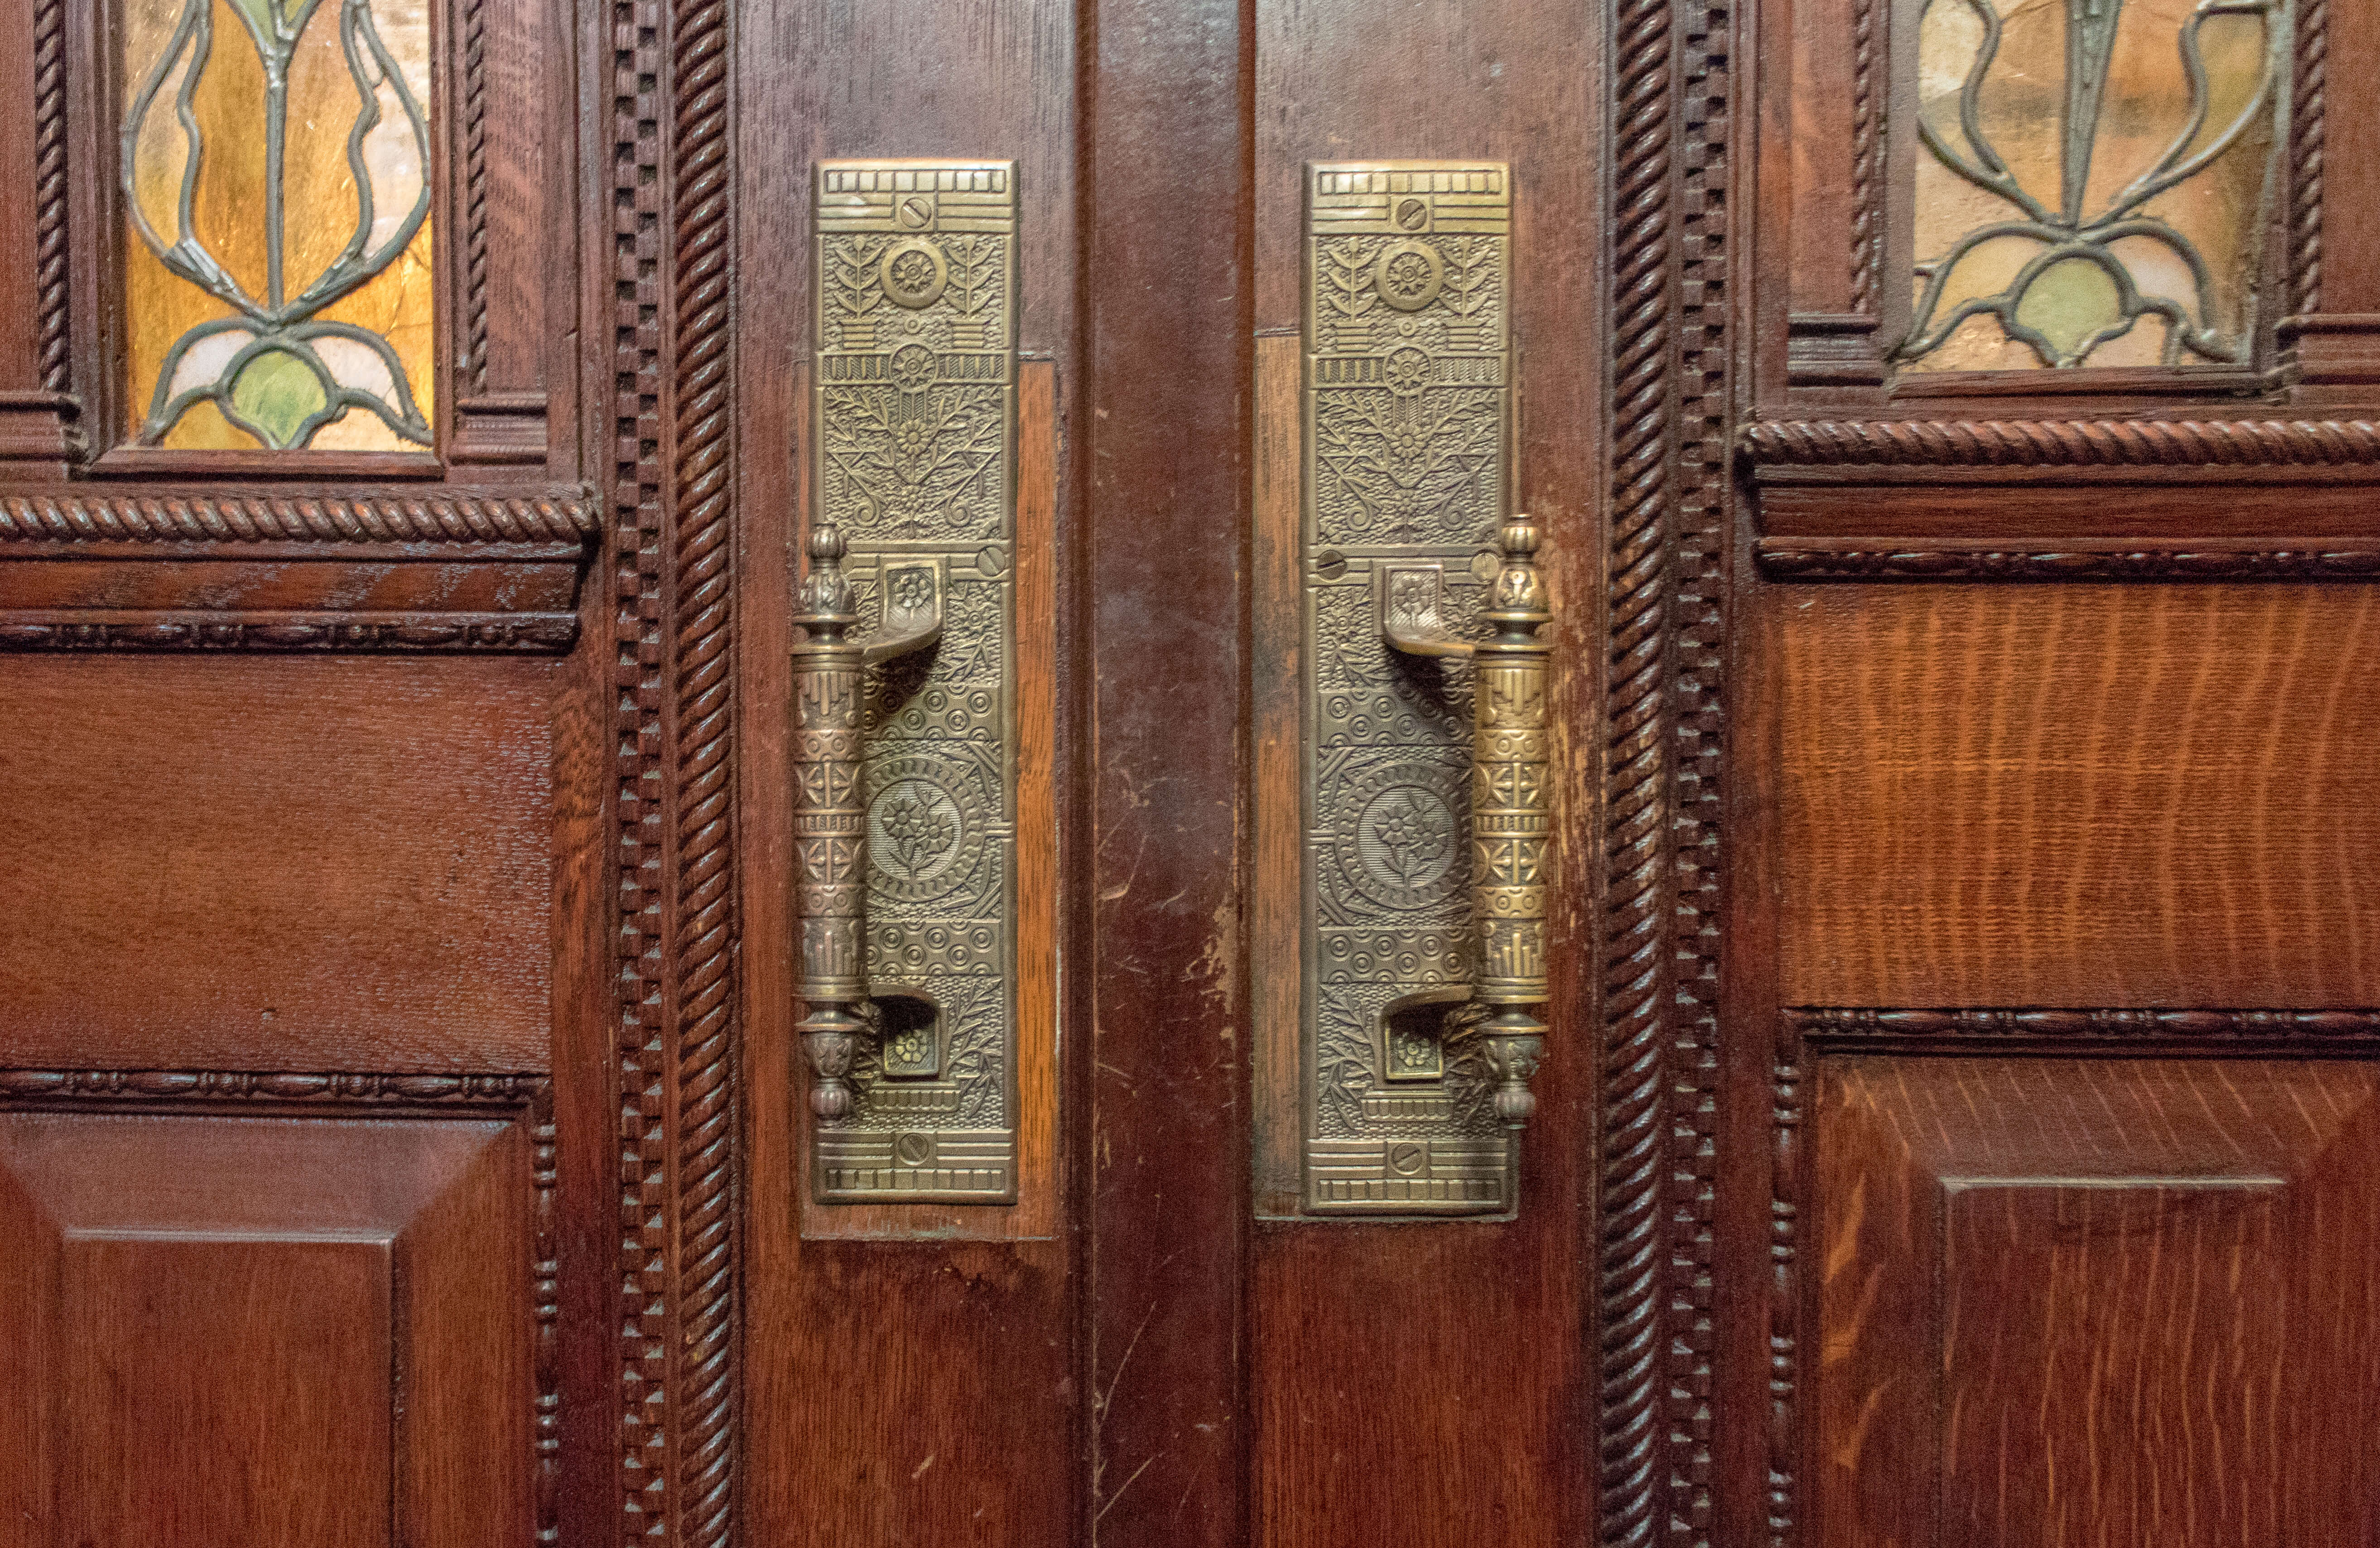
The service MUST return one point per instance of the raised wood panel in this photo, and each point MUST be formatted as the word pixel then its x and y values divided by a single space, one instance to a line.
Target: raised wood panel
pixel 256 864
pixel 226 1330
pixel 239 1390
pixel 2075 1304
pixel 2079 796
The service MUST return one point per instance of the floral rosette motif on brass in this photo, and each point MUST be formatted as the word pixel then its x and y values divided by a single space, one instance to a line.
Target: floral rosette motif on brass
pixel 915 445
pixel 1407 424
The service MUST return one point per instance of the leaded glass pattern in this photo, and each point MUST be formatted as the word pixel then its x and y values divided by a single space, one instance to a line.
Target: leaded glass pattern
pixel 277 244
pixel 2093 181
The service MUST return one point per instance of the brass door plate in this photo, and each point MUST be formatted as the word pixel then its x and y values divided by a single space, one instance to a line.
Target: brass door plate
pixel 1406 469
pixel 916 464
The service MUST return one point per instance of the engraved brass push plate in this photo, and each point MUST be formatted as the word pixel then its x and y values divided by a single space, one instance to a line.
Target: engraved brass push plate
pixel 907 742
pixel 1414 1067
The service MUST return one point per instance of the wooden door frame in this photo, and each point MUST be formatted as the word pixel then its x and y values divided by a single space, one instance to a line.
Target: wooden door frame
pixel 659 232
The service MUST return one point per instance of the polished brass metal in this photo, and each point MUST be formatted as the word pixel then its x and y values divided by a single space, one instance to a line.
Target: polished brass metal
pixel 830 819
pixel 1413 1077
pixel 907 747
pixel 1511 795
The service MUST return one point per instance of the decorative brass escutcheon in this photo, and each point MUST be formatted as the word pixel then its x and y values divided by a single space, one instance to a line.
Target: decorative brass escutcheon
pixel 906 746
pixel 1424 773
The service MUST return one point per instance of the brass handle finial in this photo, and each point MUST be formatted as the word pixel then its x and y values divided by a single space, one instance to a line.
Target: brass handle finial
pixel 829 798
pixel 1512 796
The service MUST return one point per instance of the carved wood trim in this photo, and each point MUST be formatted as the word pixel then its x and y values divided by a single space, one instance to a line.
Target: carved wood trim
pixel 344 1092
pixel 674 580
pixel 471 367
pixel 648 1479
pixel 1854 1029
pixel 81 514
pixel 1867 204
pixel 704 792
pixel 1804 1030
pixel 1670 495
pixel 2061 442
pixel 272 1086
pixel 1798 559
pixel 50 244
pixel 2307 110
pixel 342 633
pixel 1789 1186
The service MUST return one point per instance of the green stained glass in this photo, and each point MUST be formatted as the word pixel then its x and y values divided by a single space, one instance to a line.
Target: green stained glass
pixel 2095 179
pixel 278 396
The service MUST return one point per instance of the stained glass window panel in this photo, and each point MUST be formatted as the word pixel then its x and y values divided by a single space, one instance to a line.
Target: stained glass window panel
pixel 277 242
pixel 2093 180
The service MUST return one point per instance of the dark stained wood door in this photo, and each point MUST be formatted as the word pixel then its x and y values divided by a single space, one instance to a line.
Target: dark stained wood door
pixel 1951 454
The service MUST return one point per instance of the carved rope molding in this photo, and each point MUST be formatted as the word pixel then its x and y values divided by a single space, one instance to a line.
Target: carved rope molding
pixel 1636 793
pixel 1670 495
pixel 92 517
pixel 2061 442
pixel 473 367
pixel 705 786
pixel 50 259
pixel 1867 218
pixel 2306 123
pixel 302 1090
pixel 670 557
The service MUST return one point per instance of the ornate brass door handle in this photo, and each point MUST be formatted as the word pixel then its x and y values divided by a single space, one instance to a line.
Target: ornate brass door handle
pixel 830 800
pixel 1511 821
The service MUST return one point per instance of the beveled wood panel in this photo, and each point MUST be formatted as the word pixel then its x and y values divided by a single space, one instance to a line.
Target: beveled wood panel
pixel 2079 796
pixel 228 1330
pixel 2120 1304
pixel 276 864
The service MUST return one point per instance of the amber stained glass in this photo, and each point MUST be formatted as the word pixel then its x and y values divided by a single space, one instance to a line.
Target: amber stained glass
pixel 2094 181
pixel 277 242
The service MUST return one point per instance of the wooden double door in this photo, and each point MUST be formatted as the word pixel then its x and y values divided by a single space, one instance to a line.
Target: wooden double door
pixel 515 1031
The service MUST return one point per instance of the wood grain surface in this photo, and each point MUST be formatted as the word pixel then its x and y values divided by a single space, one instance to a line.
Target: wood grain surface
pixel 235 1329
pixel 2079 796
pixel 906 1383
pixel 2095 1304
pixel 255 864
pixel 1162 475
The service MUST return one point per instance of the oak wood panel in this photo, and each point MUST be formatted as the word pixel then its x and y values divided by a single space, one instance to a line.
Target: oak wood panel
pixel 2079 796
pixel 328 865
pixel 226 1329
pixel 2116 1304
pixel 1277 889
pixel 899 1390
pixel 221 1391
pixel 1391 1402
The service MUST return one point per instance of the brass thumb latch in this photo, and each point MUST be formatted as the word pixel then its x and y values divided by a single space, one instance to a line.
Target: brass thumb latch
pixel 830 799
pixel 1511 797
